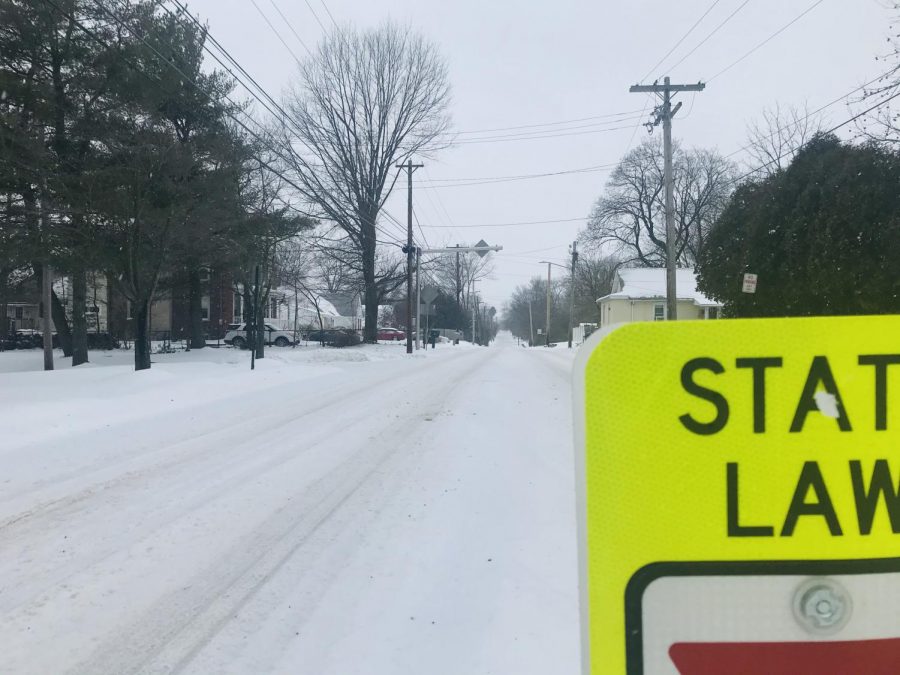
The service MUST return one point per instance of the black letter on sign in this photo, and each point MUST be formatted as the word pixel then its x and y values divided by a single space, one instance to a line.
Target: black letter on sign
pixel 811 477
pixel 881 363
pixel 714 397
pixel 867 500
pixel 819 372
pixel 759 366
pixel 735 529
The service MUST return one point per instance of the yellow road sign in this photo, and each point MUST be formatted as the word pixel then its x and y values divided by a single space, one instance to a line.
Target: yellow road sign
pixel 724 467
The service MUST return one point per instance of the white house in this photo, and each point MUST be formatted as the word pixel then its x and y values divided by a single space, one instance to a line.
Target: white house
pixel 639 294
pixel 290 309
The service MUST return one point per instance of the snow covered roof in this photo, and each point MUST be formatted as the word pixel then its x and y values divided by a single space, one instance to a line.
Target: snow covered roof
pixel 325 307
pixel 645 283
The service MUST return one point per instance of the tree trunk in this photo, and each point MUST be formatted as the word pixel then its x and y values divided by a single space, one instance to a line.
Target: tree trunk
pixel 4 320
pixel 370 331
pixel 197 338
pixel 115 311
pixel 79 321
pixel 57 312
pixel 142 335
pixel 260 326
pixel 248 316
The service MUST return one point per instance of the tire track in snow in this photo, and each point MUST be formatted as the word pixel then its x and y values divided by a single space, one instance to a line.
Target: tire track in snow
pixel 182 620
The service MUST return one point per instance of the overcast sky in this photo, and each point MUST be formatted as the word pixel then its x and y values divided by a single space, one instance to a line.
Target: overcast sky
pixel 528 62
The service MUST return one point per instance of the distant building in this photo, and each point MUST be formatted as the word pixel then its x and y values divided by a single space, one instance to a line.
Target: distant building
pixel 639 294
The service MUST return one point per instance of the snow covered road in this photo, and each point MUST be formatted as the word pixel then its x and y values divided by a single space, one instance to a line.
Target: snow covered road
pixel 379 517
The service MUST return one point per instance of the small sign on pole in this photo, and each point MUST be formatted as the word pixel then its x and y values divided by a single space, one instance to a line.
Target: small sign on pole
pixel 749 283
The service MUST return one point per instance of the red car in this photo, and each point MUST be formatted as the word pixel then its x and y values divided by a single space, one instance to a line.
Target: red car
pixel 391 334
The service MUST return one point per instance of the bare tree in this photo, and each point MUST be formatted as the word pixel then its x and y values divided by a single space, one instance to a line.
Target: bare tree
pixel 778 135
pixel 630 216
pixel 883 124
pixel 366 101
pixel 455 274
pixel 594 275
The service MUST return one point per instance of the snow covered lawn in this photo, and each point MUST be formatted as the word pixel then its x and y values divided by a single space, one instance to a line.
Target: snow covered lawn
pixel 343 512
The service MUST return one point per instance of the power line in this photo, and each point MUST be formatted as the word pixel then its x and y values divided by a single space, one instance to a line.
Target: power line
pixel 490 180
pixel 330 15
pixel 315 16
pixel 513 137
pixel 546 124
pixel 526 134
pixel 683 38
pixel 291 27
pixel 828 131
pixel 768 39
pixel 284 114
pixel 191 81
pixel 839 99
pixel 529 222
pixel 277 34
pixel 715 30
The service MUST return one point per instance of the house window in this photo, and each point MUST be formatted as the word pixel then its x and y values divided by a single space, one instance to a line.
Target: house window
pixel 20 312
pixel 274 308
pixel 204 307
pixel 238 307
pixel 659 311
pixel 129 309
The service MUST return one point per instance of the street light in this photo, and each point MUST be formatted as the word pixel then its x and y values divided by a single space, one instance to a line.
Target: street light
pixel 549 264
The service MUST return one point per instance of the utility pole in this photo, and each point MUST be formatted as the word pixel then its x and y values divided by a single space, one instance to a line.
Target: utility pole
pixel 473 311
pixel 46 299
pixel 664 113
pixel 548 305
pixel 458 288
pixel 418 298
pixel 531 322
pixel 251 325
pixel 574 251
pixel 408 250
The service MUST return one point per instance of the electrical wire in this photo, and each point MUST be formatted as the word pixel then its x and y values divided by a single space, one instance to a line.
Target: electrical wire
pixel 274 30
pixel 291 27
pixel 827 131
pixel 706 39
pixel 683 38
pixel 315 16
pixel 545 124
pixel 529 222
pixel 191 81
pixel 328 11
pixel 502 139
pixel 768 39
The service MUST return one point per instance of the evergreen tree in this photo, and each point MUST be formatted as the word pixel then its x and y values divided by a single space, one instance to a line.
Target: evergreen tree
pixel 821 235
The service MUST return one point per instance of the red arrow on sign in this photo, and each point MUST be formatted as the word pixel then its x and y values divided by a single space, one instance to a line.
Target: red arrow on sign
pixel 863 657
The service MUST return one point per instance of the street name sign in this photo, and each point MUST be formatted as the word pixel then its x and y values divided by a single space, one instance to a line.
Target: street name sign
pixel 739 497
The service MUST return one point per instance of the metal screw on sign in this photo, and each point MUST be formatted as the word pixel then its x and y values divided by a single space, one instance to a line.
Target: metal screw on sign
pixel 822 606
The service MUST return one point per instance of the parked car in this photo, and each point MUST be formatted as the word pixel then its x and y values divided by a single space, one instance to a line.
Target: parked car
pixel 335 337
pixel 391 334
pixel 237 336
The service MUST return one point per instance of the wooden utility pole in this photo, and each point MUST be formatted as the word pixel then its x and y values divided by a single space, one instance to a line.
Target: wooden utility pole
pixel 664 113
pixel 418 298
pixel 409 250
pixel 574 251
pixel 547 329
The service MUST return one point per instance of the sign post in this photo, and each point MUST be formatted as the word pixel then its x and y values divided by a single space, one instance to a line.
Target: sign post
pixel 739 505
